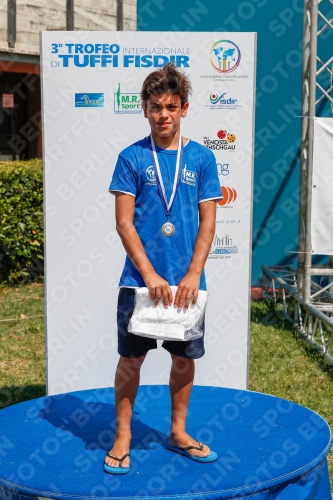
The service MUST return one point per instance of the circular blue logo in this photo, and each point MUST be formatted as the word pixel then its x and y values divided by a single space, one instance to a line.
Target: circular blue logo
pixel 225 56
pixel 150 173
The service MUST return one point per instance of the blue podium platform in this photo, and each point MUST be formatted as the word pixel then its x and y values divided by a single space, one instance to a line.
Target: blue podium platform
pixel 269 448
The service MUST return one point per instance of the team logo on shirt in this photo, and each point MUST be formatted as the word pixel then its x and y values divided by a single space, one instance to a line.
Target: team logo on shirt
pixel 150 174
pixel 189 177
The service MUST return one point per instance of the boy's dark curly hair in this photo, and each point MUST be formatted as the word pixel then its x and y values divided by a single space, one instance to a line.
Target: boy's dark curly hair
pixel 166 79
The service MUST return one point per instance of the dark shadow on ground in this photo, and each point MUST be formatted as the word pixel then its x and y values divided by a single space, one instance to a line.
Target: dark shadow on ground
pixel 11 395
pixel 94 422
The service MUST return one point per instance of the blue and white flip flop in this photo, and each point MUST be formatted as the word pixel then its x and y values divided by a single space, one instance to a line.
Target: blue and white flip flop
pixel 116 470
pixel 184 451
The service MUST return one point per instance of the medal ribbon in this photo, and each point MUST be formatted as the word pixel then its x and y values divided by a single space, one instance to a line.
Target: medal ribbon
pixel 159 181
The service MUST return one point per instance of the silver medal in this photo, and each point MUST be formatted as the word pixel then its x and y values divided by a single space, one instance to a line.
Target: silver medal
pixel 168 229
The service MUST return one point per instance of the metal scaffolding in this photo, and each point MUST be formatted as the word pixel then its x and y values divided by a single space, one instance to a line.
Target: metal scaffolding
pixel 305 296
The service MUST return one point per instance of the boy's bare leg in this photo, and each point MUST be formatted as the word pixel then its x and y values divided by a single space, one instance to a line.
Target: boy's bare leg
pixel 126 386
pixel 181 382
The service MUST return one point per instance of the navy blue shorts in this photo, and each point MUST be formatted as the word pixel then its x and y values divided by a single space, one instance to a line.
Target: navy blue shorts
pixel 134 346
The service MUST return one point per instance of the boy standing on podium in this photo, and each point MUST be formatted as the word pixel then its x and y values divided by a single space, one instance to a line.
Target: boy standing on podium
pixel 162 184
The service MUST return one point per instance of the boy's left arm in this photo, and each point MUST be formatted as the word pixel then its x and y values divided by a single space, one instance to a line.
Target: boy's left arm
pixel 189 285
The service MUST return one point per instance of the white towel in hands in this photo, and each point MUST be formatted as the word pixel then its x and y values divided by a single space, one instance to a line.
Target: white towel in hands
pixel 158 322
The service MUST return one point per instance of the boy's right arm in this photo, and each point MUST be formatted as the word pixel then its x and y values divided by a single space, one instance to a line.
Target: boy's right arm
pixel 158 287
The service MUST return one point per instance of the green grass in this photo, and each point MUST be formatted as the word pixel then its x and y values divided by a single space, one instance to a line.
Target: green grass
pixel 284 364
pixel 22 344
pixel 281 363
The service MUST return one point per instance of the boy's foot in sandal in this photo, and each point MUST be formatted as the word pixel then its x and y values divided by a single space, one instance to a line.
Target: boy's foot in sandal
pixel 117 459
pixel 188 447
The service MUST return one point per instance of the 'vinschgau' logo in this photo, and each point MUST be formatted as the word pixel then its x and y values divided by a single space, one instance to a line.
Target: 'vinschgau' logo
pixel 127 102
pixel 225 141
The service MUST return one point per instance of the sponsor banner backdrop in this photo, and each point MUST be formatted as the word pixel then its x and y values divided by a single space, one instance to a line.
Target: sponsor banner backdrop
pixel 91 84
pixel 322 201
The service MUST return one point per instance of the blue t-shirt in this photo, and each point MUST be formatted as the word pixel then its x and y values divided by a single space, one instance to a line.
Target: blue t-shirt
pixel 134 174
